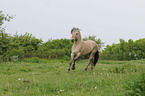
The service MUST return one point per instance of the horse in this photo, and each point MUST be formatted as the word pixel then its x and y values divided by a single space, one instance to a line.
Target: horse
pixel 81 47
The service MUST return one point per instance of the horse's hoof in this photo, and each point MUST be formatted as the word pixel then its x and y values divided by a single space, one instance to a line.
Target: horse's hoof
pixel 73 68
pixel 85 69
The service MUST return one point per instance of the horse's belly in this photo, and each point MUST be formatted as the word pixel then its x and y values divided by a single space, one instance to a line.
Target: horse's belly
pixel 86 51
pixel 75 51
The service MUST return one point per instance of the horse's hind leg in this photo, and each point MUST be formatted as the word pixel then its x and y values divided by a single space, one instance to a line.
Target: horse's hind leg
pixel 92 64
pixel 90 59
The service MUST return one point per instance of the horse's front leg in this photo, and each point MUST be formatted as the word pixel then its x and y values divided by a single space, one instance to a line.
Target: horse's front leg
pixel 73 66
pixel 72 57
pixel 78 55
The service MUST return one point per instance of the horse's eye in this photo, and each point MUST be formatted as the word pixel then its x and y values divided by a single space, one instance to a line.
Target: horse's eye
pixel 76 33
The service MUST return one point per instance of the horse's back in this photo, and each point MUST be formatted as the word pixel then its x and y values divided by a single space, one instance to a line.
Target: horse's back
pixel 88 46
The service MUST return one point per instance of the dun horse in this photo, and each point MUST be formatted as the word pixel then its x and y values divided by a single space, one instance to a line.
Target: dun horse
pixel 81 47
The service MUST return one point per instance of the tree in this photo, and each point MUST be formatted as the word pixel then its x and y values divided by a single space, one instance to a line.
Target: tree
pixel 4 37
pixel 125 50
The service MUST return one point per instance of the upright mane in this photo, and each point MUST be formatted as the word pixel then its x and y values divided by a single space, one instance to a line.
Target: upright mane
pixel 76 29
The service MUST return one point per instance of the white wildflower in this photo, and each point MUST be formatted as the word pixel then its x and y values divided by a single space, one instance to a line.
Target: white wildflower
pixel 129 54
pixel 135 55
pixel 61 90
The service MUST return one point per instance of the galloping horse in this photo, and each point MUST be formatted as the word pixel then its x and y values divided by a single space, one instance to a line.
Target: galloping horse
pixel 81 47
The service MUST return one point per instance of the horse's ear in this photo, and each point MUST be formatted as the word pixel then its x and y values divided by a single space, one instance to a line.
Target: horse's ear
pixel 72 29
pixel 78 30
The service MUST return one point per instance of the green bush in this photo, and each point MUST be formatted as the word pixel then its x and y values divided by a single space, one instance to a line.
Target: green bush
pixel 31 60
pixel 124 50
pixel 10 53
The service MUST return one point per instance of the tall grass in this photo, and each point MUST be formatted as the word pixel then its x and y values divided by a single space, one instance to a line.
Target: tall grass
pixel 109 78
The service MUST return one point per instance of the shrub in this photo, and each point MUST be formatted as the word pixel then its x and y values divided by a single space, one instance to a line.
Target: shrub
pixel 125 50
pixel 31 60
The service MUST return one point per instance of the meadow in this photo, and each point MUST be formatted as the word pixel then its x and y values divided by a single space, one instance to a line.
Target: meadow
pixel 109 78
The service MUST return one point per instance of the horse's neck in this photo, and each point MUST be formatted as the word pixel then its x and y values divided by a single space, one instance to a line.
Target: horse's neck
pixel 77 43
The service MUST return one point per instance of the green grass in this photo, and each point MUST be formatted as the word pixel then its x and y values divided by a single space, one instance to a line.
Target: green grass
pixel 109 78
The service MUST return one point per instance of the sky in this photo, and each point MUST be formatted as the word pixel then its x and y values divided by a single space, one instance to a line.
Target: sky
pixel 110 20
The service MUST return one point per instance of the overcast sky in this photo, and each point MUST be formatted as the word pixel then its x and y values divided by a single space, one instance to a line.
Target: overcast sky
pixel 110 20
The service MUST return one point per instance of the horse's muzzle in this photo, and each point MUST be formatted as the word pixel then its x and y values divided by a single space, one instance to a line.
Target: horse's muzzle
pixel 72 40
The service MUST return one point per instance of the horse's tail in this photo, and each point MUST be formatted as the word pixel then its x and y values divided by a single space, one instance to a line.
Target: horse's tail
pixel 96 57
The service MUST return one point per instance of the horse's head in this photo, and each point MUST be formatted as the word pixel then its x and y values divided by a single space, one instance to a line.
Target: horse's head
pixel 75 34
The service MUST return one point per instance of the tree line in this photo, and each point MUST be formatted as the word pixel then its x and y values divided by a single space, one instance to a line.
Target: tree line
pixel 27 46
pixel 125 50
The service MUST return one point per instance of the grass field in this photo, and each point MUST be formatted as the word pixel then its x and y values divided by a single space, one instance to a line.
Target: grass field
pixel 109 78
